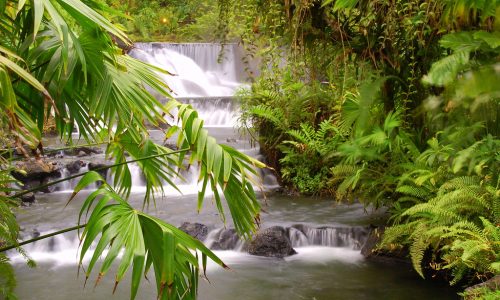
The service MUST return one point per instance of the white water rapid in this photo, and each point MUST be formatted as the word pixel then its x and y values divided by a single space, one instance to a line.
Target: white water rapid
pixel 199 70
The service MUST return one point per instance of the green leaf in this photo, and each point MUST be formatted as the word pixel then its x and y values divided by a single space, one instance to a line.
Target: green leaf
pixel 21 73
pixel 460 42
pixel 491 38
pixel 445 71
pixel 89 178
pixel 38 10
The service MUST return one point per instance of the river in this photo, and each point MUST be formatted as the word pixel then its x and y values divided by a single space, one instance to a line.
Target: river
pixel 327 236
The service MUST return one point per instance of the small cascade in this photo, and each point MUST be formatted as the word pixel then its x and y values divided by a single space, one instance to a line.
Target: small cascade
pixel 187 181
pixel 344 237
pixel 215 111
pixel 65 185
pixel 136 176
pixel 68 186
pixel 60 249
pixel 224 239
pixel 300 236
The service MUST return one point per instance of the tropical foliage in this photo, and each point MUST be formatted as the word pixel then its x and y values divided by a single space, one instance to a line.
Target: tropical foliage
pixel 168 20
pixel 390 103
pixel 59 60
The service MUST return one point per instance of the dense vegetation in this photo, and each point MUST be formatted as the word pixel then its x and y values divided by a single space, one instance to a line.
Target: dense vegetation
pixel 59 61
pixel 391 103
pixel 168 20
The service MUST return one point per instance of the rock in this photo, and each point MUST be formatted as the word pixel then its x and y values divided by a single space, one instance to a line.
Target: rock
pixel 370 250
pixel 196 230
pixel 476 291
pixel 33 173
pixel 75 166
pixel 35 170
pixel 271 242
pixel 82 151
pixel 374 237
pixel 225 239
pixel 28 198
pixel 95 166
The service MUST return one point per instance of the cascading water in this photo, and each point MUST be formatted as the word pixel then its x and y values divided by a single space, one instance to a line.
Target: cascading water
pixel 196 68
pixel 326 239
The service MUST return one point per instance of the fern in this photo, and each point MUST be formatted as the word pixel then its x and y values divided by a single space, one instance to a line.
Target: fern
pixel 273 115
pixel 415 191
pixel 9 231
pixel 454 224
pixel 7 279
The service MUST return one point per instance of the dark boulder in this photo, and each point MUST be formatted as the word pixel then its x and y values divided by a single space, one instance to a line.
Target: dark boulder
pixel 370 246
pixel 97 166
pixel 196 230
pixel 75 166
pixel 28 198
pixel 82 151
pixel 36 170
pixel 371 250
pixel 34 173
pixel 271 242
pixel 225 239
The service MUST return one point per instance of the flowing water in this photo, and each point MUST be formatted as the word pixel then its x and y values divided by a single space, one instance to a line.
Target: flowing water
pixel 326 236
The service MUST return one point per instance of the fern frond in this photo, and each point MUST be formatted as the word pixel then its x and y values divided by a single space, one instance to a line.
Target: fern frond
pixel 418 246
pixel 273 115
pixel 397 234
pixel 429 211
pixel 342 170
pixel 325 128
pixel 7 278
pixel 465 155
pixel 460 182
pixel 458 272
pixel 416 191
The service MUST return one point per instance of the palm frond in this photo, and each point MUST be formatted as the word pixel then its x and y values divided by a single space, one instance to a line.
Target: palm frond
pixel 145 241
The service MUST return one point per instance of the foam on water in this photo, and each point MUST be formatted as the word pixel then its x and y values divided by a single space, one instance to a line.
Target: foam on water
pixel 322 255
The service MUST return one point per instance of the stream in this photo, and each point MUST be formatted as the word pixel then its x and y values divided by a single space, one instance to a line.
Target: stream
pixel 326 236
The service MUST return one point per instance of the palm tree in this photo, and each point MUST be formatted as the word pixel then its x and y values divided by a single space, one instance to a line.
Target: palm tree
pixel 59 59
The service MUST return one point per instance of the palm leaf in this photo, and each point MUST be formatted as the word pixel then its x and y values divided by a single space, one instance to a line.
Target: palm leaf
pixel 144 240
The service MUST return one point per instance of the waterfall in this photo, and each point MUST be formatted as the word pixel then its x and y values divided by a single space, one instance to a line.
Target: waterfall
pixel 196 67
pixel 299 235
pixel 201 81
pixel 215 111
pixel 61 249
pixel 224 62
pixel 343 237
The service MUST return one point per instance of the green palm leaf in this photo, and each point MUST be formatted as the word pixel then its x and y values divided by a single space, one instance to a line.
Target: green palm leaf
pixel 145 241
